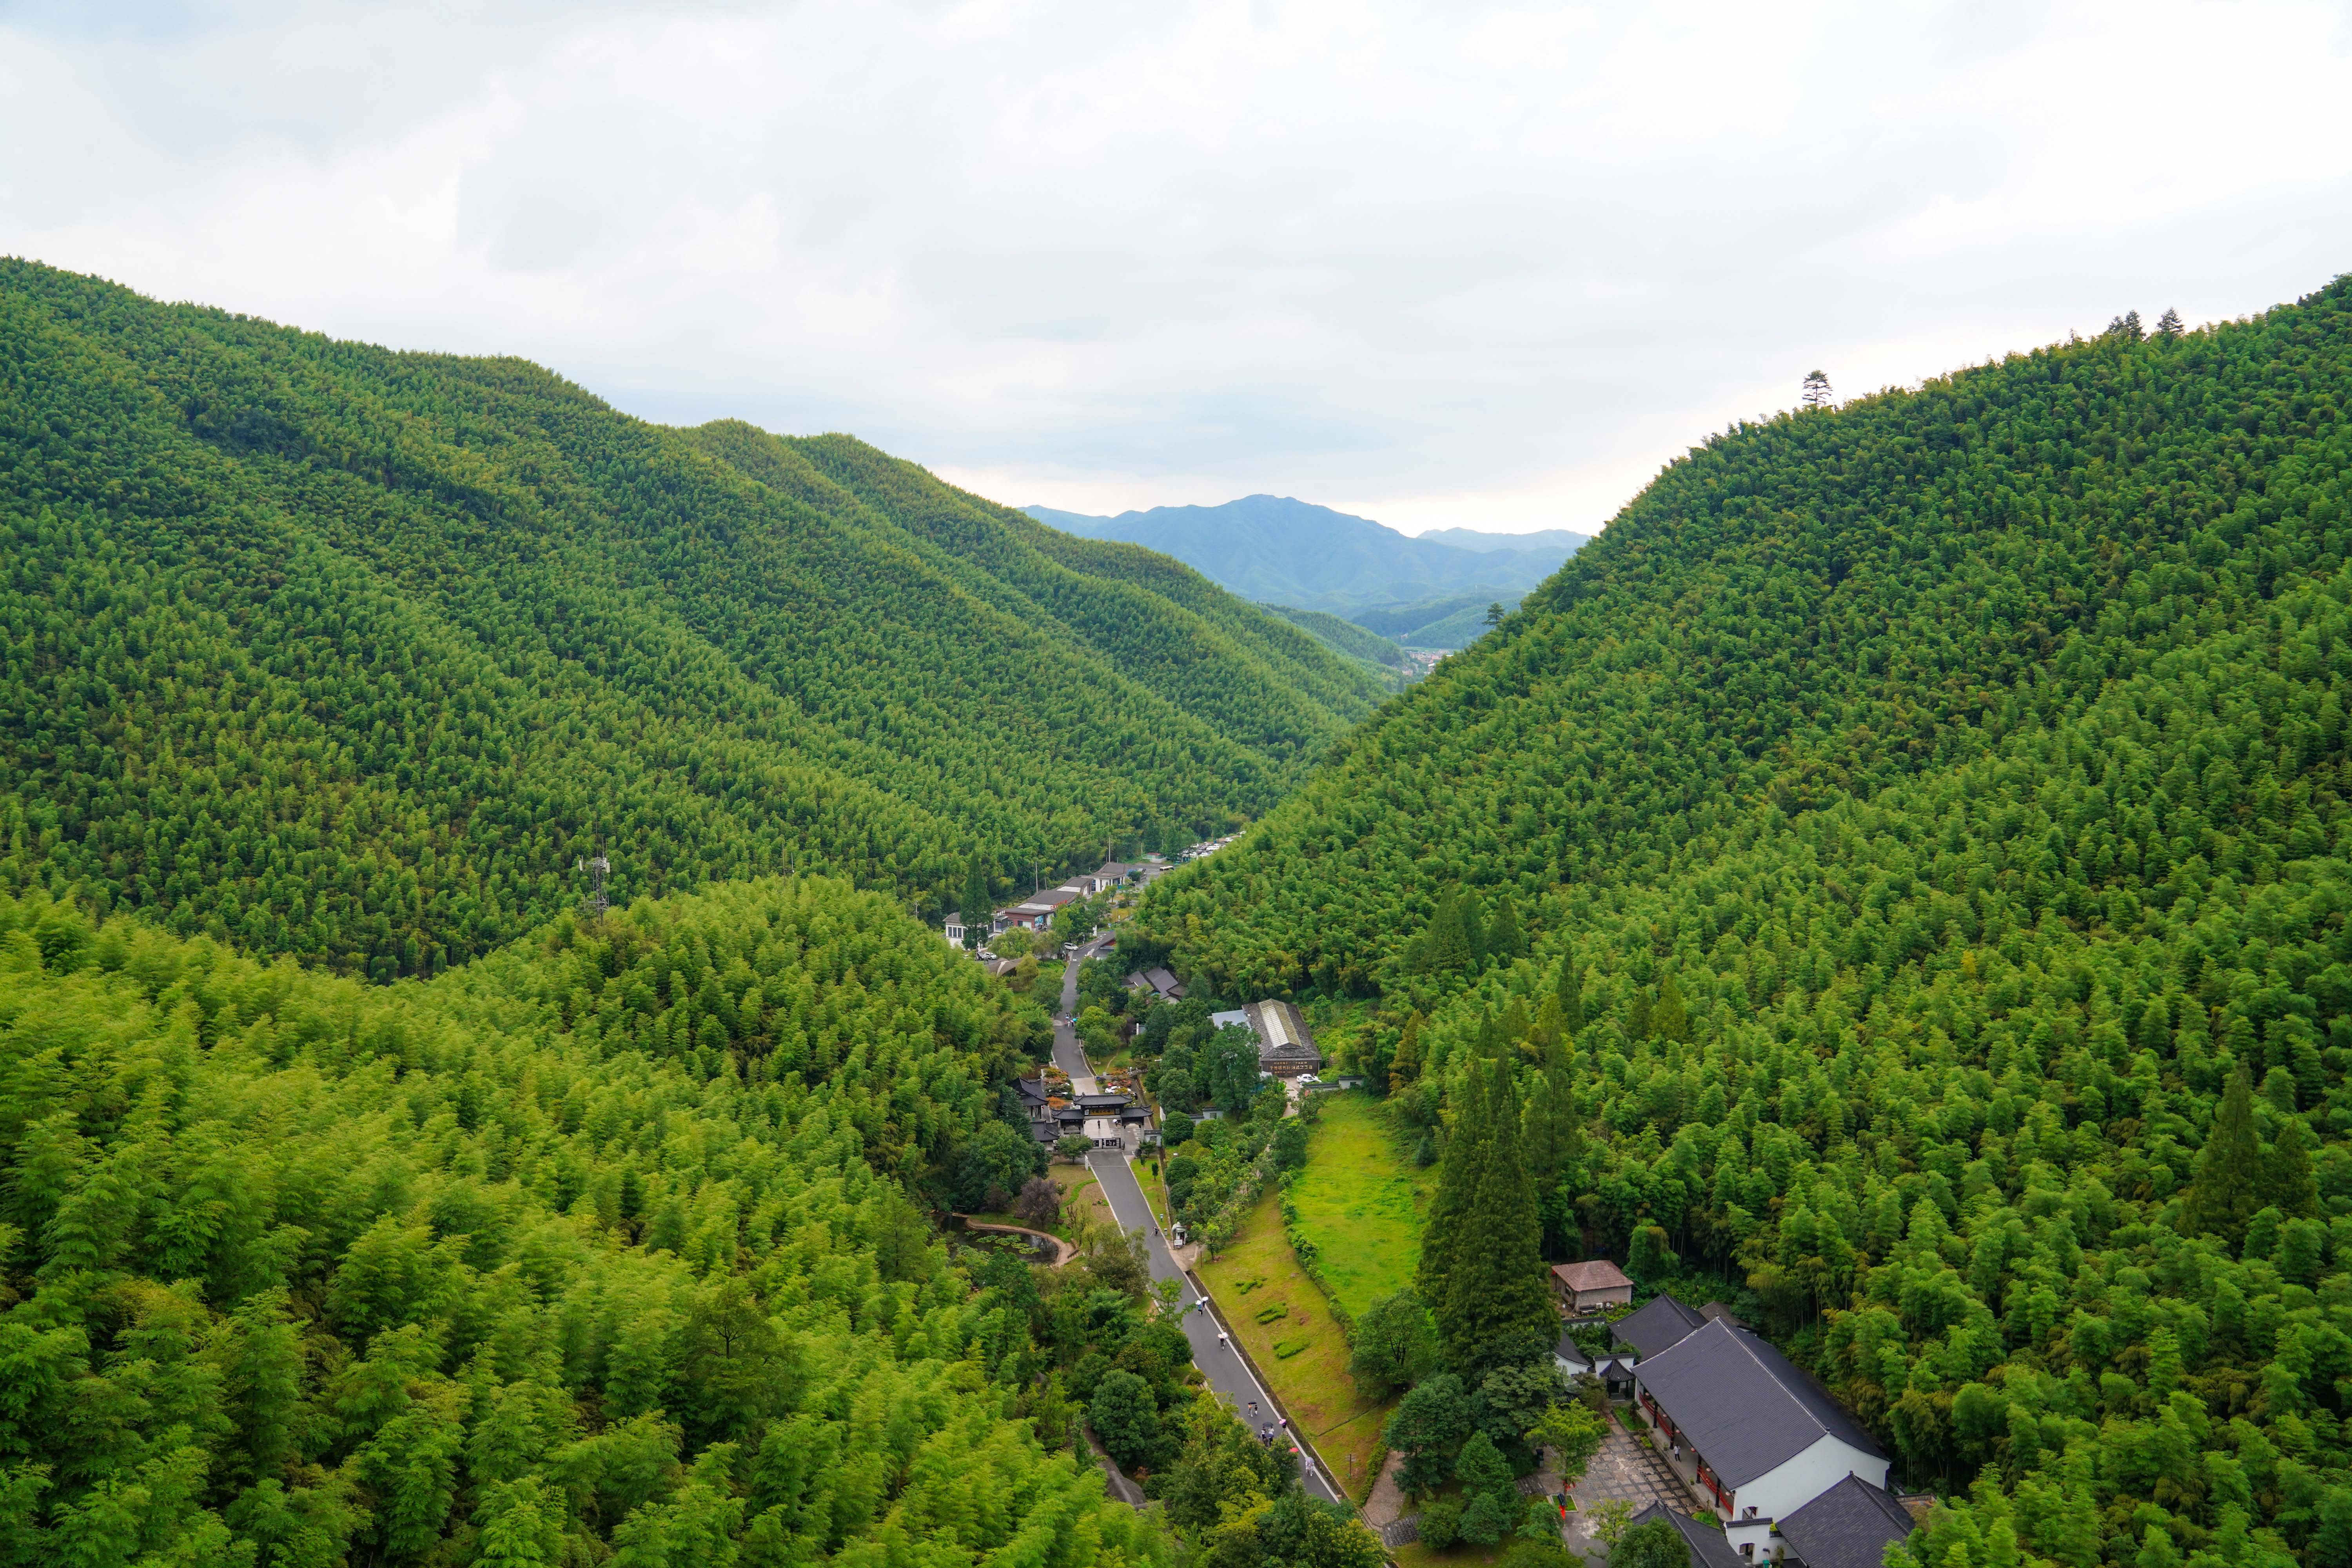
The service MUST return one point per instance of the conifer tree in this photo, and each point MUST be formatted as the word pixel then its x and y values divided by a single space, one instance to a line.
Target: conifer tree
pixel 1505 940
pixel 2289 1183
pixel 1571 995
pixel 2228 1185
pixel 2167 325
pixel 1669 1020
pixel 976 905
pixel 1450 948
pixel 1492 1308
pixel 1443 1235
pixel 1405 1071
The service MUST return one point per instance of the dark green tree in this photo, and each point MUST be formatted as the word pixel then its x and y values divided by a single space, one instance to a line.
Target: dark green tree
pixel 1392 1345
pixel 2228 1185
pixel 1125 1418
pixel 1658 1545
pixel 1429 1428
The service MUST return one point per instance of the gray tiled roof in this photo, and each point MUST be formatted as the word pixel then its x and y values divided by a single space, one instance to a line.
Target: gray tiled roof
pixel 1569 1351
pixel 1847 1526
pixel 1708 1548
pixel 1651 1327
pixel 1747 1408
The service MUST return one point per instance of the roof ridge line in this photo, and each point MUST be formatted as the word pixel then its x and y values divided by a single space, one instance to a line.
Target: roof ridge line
pixel 1778 1381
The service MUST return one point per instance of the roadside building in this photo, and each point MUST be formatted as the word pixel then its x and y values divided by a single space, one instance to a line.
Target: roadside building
pixel 1037 911
pixel 1286 1047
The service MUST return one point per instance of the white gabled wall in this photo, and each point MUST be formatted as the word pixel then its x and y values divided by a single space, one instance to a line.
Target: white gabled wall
pixel 1779 1492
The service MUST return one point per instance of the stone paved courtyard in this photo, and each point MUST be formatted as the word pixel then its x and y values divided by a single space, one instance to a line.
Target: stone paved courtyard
pixel 1626 1469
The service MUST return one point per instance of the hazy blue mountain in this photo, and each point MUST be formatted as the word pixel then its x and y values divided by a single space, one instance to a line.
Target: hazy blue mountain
pixel 1276 550
pixel 1553 539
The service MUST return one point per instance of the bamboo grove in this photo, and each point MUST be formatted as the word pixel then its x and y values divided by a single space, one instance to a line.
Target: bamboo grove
pixel 1922 831
pixel 301 1271
pixel 331 651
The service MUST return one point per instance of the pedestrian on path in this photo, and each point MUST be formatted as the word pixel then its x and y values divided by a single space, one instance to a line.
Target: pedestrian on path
pixel 1222 1343
pixel 1253 1409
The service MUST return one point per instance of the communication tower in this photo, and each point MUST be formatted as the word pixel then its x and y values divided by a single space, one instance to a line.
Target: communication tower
pixel 599 869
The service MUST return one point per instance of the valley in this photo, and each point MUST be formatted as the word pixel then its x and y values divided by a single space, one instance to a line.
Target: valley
pixel 1880 906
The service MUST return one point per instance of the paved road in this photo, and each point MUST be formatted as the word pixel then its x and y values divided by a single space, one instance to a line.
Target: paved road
pixel 1222 1365
pixel 1067 1055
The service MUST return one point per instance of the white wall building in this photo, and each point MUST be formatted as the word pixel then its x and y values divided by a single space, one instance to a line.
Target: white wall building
pixel 1761 1436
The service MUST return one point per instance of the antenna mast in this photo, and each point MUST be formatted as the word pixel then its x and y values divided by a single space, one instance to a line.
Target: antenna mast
pixel 599 869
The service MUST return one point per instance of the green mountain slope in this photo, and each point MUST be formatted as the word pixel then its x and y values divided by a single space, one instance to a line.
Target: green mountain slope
pixel 599 1245
pixel 1806 611
pixel 1457 628
pixel 1923 829
pixel 1344 638
pixel 351 654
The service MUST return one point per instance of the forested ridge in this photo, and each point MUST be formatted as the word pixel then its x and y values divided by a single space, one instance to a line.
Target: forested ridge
pixel 604 1248
pixel 349 654
pixel 1900 872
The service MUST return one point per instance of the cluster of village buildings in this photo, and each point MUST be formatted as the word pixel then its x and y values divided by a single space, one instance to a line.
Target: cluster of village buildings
pixel 1791 1477
pixel 1037 911
pixel 1113 1118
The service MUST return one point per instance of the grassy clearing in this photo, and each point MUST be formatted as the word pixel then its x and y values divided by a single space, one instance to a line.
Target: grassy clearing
pixel 1360 1202
pixel 1258 1273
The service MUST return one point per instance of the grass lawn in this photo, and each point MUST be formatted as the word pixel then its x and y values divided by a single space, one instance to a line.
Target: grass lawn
pixel 1253 1277
pixel 1147 1177
pixel 1361 1201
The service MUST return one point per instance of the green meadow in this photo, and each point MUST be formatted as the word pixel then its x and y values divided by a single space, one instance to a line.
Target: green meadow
pixel 1360 1202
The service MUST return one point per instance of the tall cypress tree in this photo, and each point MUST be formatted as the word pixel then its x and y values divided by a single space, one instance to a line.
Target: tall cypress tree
pixel 1571 995
pixel 2289 1183
pixel 1492 1309
pixel 1444 1236
pixel 1505 940
pixel 975 904
pixel 2228 1186
pixel 1449 939
pixel 1404 1070
pixel 1669 1020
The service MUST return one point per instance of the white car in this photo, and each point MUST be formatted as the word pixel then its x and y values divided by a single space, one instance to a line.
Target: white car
pixel 1309 1077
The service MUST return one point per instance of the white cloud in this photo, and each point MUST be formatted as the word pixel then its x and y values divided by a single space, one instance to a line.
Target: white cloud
pixel 1458 264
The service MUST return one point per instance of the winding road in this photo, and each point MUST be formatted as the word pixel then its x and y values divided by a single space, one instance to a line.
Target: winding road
pixel 1221 1363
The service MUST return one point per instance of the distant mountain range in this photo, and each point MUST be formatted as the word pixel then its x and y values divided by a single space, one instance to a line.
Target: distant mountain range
pixel 1276 550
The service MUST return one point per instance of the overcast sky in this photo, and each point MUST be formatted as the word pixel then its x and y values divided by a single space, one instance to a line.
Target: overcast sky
pixel 1437 264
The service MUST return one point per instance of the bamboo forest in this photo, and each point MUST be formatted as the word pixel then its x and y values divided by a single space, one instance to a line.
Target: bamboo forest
pixel 1892 886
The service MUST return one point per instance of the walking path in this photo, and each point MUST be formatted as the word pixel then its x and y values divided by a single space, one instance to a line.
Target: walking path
pixel 1221 1361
